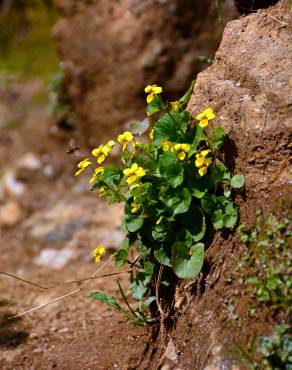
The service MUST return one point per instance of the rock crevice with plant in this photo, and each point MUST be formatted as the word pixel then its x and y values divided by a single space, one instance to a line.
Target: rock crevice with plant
pixel 176 190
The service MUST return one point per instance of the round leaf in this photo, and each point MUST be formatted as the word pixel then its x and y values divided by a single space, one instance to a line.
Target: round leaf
pixel 162 256
pixel 237 181
pixel 171 169
pixel 194 222
pixel 187 263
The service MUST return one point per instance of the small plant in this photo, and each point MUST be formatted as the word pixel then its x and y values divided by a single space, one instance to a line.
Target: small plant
pixel 272 353
pixel 58 101
pixel 175 188
pixel 268 259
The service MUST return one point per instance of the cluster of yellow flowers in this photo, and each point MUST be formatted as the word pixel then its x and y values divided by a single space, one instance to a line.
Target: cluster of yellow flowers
pixel 102 152
pixel 202 162
pixel 180 149
pixel 134 173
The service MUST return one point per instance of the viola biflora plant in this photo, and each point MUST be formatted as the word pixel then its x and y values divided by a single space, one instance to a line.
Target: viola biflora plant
pixel 175 189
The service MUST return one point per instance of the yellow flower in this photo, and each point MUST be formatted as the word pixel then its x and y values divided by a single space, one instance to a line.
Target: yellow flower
pixel 181 156
pixel 182 149
pixel 135 207
pixel 125 138
pixel 158 222
pixel 98 252
pixel 175 105
pixel 152 90
pixel 102 191
pixel 103 151
pixel 134 173
pixel 203 171
pixel 97 171
pixel 82 166
pixel 205 117
pixel 151 133
pixel 202 162
pixel 166 146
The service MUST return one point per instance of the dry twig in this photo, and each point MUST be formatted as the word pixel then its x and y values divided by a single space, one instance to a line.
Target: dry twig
pixel 65 295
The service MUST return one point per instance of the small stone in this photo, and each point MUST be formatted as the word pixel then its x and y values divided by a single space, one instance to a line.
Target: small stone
pixel 170 352
pixel 11 185
pixel 29 161
pixel 54 258
pixel 10 214
pixel 49 170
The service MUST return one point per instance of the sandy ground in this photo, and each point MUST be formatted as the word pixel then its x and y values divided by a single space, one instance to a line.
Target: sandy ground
pixel 54 211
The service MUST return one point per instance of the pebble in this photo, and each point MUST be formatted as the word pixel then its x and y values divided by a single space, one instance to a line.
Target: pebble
pixel 10 214
pixel 29 161
pixel 54 258
pixel 11 185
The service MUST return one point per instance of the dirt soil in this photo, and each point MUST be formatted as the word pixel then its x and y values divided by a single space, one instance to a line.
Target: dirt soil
pixel 54 211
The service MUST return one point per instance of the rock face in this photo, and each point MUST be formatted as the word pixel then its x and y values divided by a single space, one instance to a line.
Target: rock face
pixel 111 49
pixel 250 89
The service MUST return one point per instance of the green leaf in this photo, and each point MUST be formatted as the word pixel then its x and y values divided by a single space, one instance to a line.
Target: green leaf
pixel 160 233
pixel 133 222
pixel 112 176
pixel 165 130
pixel 121 256
pixel 186 97
pixel 230 216
pixel 140 284
pixel 218 137
pixel 186 263
pixel 252 280
pixel 219 173
pixel 170 168
pixel 186 237
pixel 237 181
pixel 178 200
pixel 146 161
pixel 199 136
pixel 155 106
pixel 182 119
pixel 199 186
pixel 217 219
pixel 144 304
pixel 138 128
pixel 219 12
pixel 194 222
pixel 102 297
pixel 209 203
pixel 162 255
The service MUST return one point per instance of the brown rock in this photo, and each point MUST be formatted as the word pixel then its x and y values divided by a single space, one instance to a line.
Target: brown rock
pixel 111 50
pixel 249 88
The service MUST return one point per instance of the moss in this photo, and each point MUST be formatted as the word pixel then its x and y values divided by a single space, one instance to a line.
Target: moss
pixel 27 49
